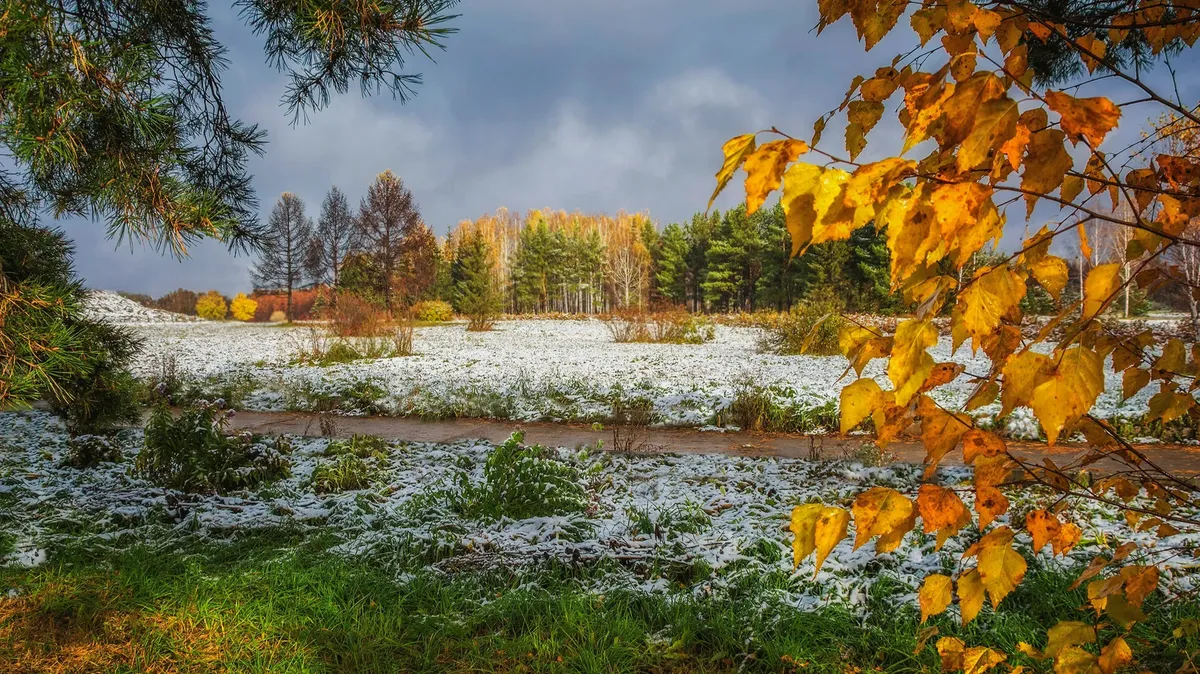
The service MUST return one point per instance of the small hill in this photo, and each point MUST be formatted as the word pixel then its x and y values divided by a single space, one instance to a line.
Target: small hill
pixel 116 309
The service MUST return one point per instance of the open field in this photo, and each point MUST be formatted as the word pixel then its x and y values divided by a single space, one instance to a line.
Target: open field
pixel 668 562
pixel 540 370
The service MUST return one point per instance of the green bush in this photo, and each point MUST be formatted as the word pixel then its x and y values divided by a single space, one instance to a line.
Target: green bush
pixel 347 473
pixel 810 328
pixel 362 446
pixel 433 311
pixel 195 453
pixel 521 482
pixel 88 451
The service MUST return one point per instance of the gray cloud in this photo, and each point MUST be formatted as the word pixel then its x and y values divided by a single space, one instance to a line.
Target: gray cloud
pixel 597 105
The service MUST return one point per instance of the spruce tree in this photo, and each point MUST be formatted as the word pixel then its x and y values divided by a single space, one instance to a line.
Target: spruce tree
pixel 285 248
pixel 734 262
pixel 670 263
pixel 475 292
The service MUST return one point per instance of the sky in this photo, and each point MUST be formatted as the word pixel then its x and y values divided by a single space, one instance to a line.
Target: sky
pixel 590 105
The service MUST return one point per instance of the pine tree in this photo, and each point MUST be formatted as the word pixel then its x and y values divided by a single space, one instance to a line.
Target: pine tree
pixel 869 272
pixel 475 292
pixel 699 233
pixel 779 285
pixel 285 249
pixel 401 246
pixel 734 262
pixel 49 349
pixel 332 241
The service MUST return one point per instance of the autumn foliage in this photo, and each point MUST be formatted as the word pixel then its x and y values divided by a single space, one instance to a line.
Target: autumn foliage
pixel 984 144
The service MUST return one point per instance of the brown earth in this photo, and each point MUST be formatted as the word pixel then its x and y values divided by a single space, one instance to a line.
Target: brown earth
pixel 1179 459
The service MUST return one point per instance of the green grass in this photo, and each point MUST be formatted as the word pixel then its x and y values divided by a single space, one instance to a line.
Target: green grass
pixel 278 601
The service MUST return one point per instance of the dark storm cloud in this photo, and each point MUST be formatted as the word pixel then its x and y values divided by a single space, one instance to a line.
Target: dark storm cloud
pixel 597 105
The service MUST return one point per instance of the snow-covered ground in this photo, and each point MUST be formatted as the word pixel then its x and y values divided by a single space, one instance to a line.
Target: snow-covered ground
pixel 721 514
pixel 122 310
pixel 541 370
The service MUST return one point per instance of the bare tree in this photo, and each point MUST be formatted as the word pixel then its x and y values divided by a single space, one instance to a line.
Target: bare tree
pixel 1184 263
pixel 387 217
pixel 332 241
pixel 281 262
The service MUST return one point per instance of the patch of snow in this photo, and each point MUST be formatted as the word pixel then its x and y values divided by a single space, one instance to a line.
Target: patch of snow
pixel 110 306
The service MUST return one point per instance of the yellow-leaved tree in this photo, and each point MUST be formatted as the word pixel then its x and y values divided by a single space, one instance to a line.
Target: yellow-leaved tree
pixel 211 305
pixel 984 144
pixel 242 308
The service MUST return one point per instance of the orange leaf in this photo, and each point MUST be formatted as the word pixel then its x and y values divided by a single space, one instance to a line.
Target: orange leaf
pixel 736 150
pixel 990 503
pixel 1084 118
pixel 765 167
pixel 885 513
pixel 941 511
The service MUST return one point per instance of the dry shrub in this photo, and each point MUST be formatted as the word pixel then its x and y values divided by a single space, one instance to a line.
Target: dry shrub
pixel 401 334
pixel 277 317
pixel 627 326
pixel 354 317
pixel 810 329
pixel 675 326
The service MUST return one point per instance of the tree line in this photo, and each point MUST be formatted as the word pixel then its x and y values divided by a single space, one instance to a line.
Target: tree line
pixel 552 261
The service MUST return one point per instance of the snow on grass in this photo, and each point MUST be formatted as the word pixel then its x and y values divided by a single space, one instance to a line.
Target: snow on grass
pixel 122 310
pixel 543 370
pixel 699 520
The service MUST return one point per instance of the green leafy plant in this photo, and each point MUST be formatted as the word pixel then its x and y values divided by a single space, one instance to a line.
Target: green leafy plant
pixel 194 452
pixel 521 482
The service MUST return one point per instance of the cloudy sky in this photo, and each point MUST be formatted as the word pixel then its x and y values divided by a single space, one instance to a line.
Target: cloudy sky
pixel 596 105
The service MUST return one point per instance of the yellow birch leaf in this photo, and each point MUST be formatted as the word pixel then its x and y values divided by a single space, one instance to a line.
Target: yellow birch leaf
pixel 858 401
pixel 1091 50
pixel 995 123
pixel 927 22
pixel 1115 656
pixel 910 363
pixel 991 295
pixel 951 651
pixel 819 528
pixel 1074 660
pixel 1043 527
pixel 1168 405
pixel 1046 164
pixel 764 169
pixel 1069 393
pixel 1051 272
pixel 1000 567
pixel 942 511
pixel 1133 380
pixel 1120 611
pixel 803 525
pixel 870 183
pixel 885 513
pixel 1084 118
pixel 1140 582
pixel 940 430
pixel 1101 285
pixel 1022 375
pixel 970 595
pixel 1067 538
pixel 934 596
pixel 990 503
pixel 979 659
pixel 984 396
pixel 923 636
pixel 736 150
pixel 991 471
pixel 977 442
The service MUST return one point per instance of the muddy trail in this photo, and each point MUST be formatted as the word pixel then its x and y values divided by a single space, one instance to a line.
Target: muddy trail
pixel 1178 459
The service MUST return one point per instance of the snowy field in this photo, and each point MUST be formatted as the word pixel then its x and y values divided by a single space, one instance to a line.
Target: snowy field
pixel 539 370
pixel 717 517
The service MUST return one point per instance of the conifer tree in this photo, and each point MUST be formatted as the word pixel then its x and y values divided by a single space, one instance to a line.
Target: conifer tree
pixel 475 292
pixel 332 241
pixel 399 243
pixel 670 263
pixel 285 247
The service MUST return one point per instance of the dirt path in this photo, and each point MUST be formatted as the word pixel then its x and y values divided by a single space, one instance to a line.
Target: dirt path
pixel 1183 460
